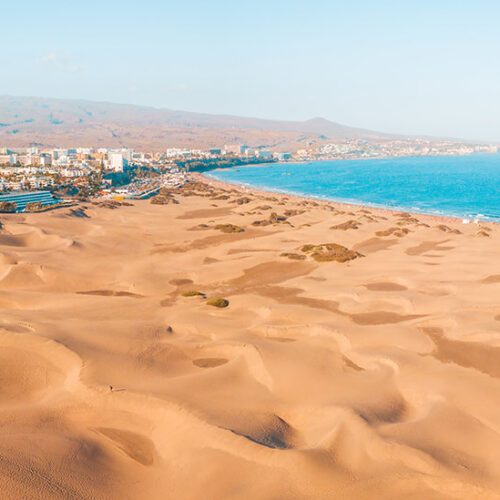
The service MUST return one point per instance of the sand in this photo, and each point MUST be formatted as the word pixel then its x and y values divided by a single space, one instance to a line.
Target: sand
pixel 376 376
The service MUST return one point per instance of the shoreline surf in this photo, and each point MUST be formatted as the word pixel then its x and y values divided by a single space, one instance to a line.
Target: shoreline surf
pixel 442 213
pixel 336 204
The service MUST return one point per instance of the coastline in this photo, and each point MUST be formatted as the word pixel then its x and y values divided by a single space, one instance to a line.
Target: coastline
pixel 382 158
pixel 336 204
pixel 485 214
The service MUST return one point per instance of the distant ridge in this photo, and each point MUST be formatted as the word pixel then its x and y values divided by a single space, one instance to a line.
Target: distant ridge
pixel 49 122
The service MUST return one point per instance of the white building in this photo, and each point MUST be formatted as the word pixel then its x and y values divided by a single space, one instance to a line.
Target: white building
pixel 72 172
pixel 61 161
pixel 24 159
pixel 45 160
pixel 237 149
pixel 14 186
pixel 264 154
pixel 7 159
pixel 117 162
pixel 58 153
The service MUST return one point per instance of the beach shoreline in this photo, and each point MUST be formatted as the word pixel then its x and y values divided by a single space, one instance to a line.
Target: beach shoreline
pixel 336 204
pixel 440 186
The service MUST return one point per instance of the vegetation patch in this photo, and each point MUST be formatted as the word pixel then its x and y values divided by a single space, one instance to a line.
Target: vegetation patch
pixel 200 227
pixel 8 207
pixel 112 204
pixel 327 252
pixel 293 256
pixel 193 293
pixel 78 212
pixel 229 228
pixel 406 219
pixel 274 218
pixel 369 218
pixel 292 213
pixel 394 231
pixel 191 188
pixel 350 224
pixel 33 206
pixel 164 197
pixel 483 234
pixel 47 208
pixel 447 229
pixel 308 248
pixel 263 222
pixel 218 302
pixel 242 201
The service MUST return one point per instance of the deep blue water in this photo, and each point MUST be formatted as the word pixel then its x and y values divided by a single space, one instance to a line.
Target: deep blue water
pixel 458 186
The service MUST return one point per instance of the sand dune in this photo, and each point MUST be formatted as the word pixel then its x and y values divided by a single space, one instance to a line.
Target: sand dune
pixel 368 378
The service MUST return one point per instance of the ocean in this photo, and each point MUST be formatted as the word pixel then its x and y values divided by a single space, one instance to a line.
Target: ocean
pixel 451 186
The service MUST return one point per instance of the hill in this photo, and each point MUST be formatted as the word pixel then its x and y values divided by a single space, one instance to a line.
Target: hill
pixel 61 122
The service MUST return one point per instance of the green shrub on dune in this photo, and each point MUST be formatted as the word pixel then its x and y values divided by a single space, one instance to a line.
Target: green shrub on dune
pixel 33 206
pixel 192 293
pixel 8 207
pixel 293 256
pixel 164 200
pixel 327 252
pixel 218 302
pixel 350 224
pixel 229 228
pixel 307 248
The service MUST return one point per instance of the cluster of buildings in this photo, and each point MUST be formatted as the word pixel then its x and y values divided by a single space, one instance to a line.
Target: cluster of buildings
pixel 341 149
pixel 66 158
pixel 32 168
pixel 37 168
pixel 98 171
pixel 239 150
pixel 360 148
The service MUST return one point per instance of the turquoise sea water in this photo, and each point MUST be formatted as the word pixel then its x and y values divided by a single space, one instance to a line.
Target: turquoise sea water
pixel 458 186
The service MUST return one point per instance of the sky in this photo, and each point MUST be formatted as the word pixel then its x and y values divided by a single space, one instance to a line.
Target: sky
pixel 406 66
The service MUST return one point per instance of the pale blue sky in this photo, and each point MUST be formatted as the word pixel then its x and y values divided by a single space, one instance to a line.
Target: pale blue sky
pixel 407 66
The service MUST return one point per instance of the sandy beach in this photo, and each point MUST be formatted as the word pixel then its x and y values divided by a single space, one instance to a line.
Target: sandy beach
pixel 357 355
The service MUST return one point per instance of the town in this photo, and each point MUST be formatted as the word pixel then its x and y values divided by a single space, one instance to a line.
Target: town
pixel 35 179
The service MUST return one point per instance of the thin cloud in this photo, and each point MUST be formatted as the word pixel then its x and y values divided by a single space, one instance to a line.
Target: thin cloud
pixel 60 61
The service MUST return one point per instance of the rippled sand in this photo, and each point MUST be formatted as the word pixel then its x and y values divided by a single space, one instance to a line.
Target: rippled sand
pixel 377 377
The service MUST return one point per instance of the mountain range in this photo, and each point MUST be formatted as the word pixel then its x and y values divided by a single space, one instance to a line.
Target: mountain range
pixel 48 122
